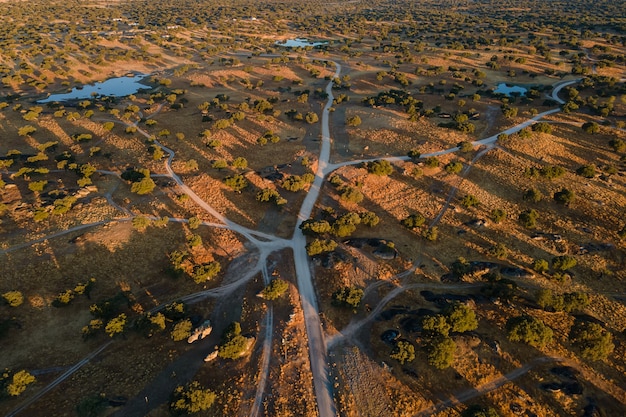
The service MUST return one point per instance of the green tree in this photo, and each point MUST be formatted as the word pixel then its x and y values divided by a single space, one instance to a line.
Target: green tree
pixel 348 297
pixel 92 406
pixel 479 411
pixel 116 325
pixel 533 195
pixel 233 343
pixel 353 121
pixel 594 342
pixel 469 200
pixel 205 272
pixel 563 262
pixel 191 398
pixel 413 221
pixel 311 118
pixel 529 330
pixel 587 171
pixel 432 162
pixel 240 163
pixel 18 382
pixel 497 215
pixel 381 168
pixel 403 352
pixel 465 146
pixel 318 246
pixel 26 130
pixel 436 325
pixel 194 222
pixel 542 127
pixel 237 182
pixel 441 352
pixel 499 250
pixel 369 219
pixel 275 289
pixel 219 164
pixel 141 222
pixel 591 127
pixel 461 318
pixel 144 186
pixel 431 233
pixel 528 218
pixel 181 330
pixel 541 266
pixel 13 298
pixel 454 167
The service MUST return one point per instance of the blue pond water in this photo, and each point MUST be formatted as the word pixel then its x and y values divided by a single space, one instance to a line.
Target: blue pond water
pixel 117 87
pixel 507 90
pixel 299 43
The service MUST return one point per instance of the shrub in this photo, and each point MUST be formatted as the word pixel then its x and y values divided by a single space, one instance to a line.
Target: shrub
pixel 413 221
pixel 563 263
pixel 431 233
pixel 541 266
pixel 369 219
pixel 16 383
pixel 454 167
pixel 311 118
pixel 181 330
pixel 465 146
pixel 533 195
pixel 587 171
pixel 542 127
pixel 591 127
pixel 499 251
pixel 144 186
pixel 618 145
pixel 441 353
pixel 497 215
pixel 552 172
pixel 381 168
pixel 432 162
pixel 352 195
pixel 205 272
pixel 233 343
pixel 236 182
pixel 275 289
pixel 461 317
pixel 348 297
pixel 312 227
pixel 480 411
pixel 564 196
pixel 528 218
pixel 414 154
pixel 594 342
pixel 353 121
pixel 469 201
pixel 141 222
pixel 403 352
pixel 320 246
pixel 13 298
pixel 529 330
pixel 191 398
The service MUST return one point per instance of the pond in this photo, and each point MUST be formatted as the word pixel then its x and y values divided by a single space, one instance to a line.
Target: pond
pixel 507 90
pixel 117 87
pixel 299 43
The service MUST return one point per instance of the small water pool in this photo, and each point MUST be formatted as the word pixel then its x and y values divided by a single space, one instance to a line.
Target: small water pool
pixel 116 87
pixel 508 90
pixel 299 43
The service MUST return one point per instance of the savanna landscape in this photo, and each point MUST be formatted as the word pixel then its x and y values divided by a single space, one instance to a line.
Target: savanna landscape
pixel 289 208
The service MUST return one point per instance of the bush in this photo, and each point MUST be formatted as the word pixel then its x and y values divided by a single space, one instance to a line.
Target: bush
pixel 116 325
pixel 352 195
pixel 381 168
pixel 431 233
pixel 16 384
pixel 181 330
pixel 465 146
pixel 13 298
pixel 461 317
pixel 348 297
pixel 541 266
pixel 205 272
pixel 454 167
pixel 311 118
pixel 587 171
pixel 618 145
pixel 315 227
pixel 275 289
pixel 533 195
pixel 542 127
pixel 480 411
pixel 191 398
pixel 441 353
pixel 552 172
pixel 528 218
pixel 414 154
pixel 432 162
pixel 529 330
pixel 353 121
pixel 591 127
pixel 236 182
pixel 499 251
pixel 497 215
pixel 320 246
pixel 141 222
pixel 594 342
pixel 403 352
pixel 563 263
pixel 233 343
pixel 142 187
pixel 369 219
pixel 413 221
pixel 469 201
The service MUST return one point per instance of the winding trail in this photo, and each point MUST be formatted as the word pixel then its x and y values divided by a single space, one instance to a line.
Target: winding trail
pixel 266 244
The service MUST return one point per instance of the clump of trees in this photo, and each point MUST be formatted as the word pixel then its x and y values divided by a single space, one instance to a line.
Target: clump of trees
pixel 568 302
pixel 382 168
pixel 14 383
